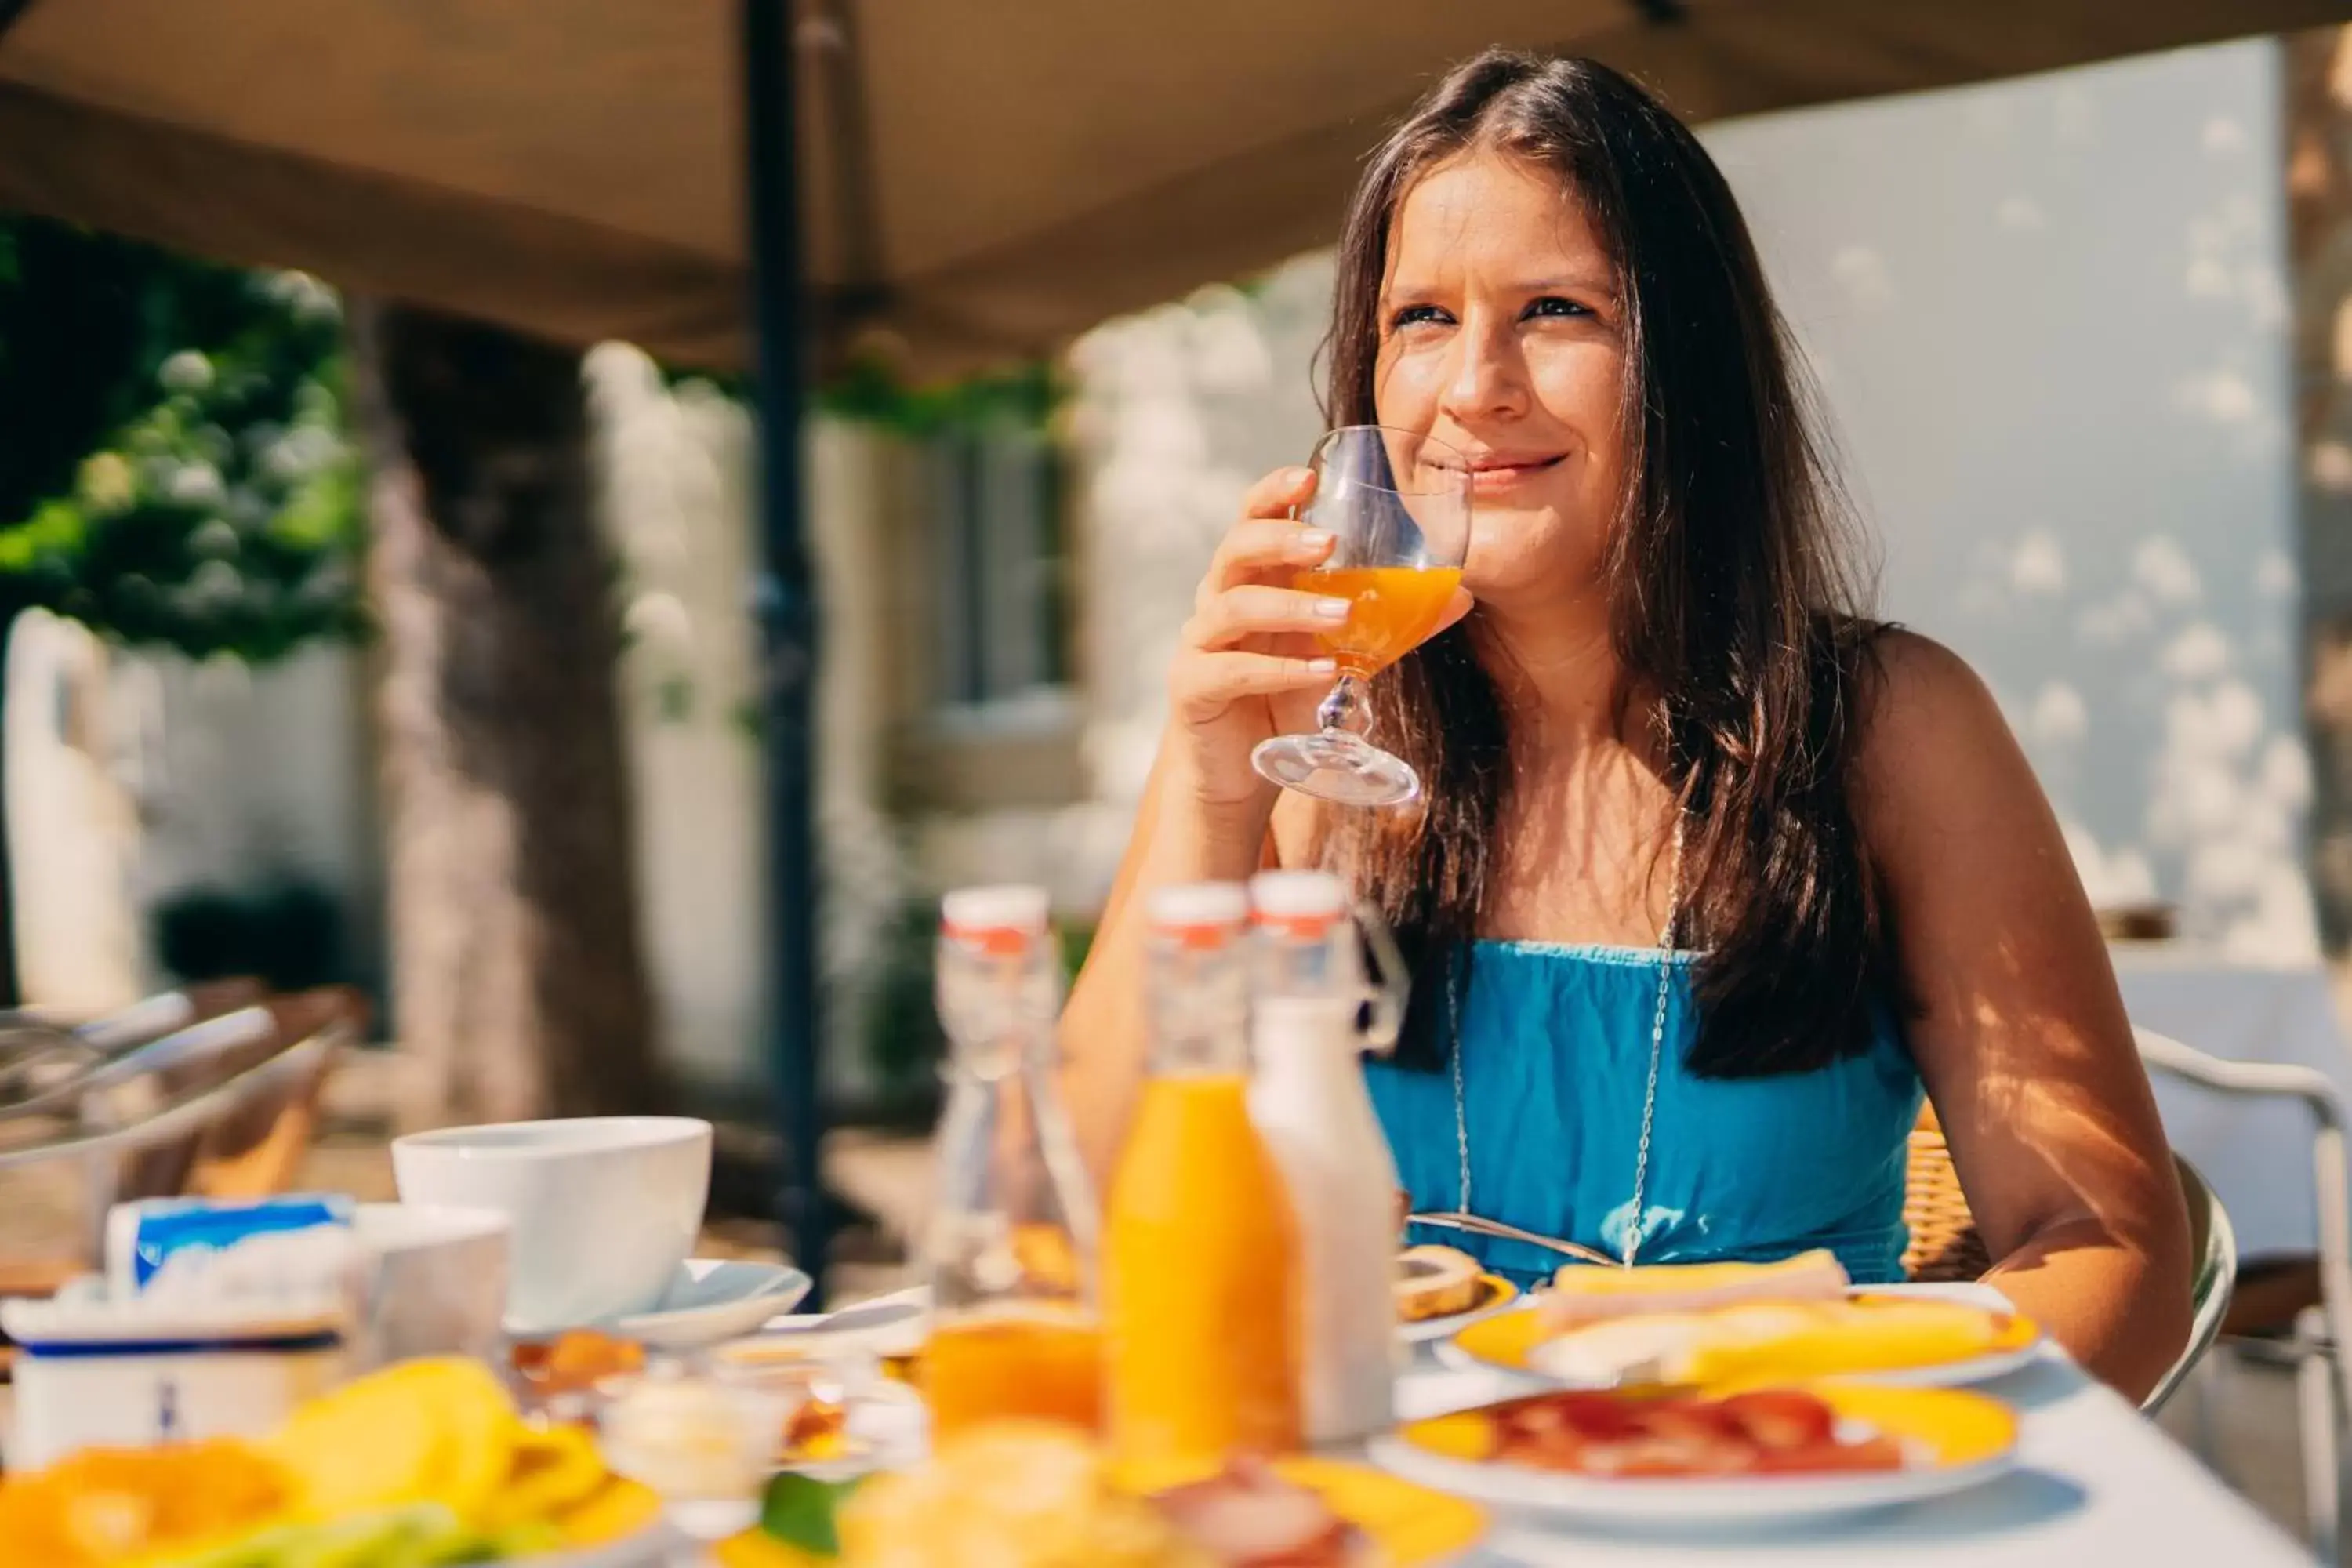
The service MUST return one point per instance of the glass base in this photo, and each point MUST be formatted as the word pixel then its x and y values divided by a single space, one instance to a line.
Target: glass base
pixel 1337 766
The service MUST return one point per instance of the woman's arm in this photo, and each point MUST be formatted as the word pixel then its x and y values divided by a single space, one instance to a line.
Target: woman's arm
pixel 1246 666
pixel 2020 1034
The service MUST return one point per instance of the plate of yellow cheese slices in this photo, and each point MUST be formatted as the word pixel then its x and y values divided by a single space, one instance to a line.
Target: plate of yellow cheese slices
pixel 1730 1326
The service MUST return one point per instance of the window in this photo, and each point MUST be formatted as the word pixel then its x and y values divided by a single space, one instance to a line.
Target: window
pixel 997 569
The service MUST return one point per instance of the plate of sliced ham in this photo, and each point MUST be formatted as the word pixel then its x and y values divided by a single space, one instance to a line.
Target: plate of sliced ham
pixel 1680 1459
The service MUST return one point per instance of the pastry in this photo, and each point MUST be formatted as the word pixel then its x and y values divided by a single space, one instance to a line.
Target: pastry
pixel 1436 1282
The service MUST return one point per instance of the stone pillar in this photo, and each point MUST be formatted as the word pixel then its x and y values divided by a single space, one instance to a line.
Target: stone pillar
pixel 2318 100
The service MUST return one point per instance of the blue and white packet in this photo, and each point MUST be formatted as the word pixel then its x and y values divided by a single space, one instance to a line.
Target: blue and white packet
pixel 276 1245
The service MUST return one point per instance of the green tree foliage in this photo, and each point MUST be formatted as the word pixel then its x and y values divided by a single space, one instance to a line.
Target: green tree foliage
pixel 870 391
pixel 173 471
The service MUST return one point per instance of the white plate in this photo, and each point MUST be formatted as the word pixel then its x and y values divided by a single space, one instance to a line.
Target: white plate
pixel 889 1325
pixel 889 1428
pixel 651 1547
pixel 1985 1368
pixel 1674 1502
pixel 708 1299
pixel 1948 1374
pixel 1431 1330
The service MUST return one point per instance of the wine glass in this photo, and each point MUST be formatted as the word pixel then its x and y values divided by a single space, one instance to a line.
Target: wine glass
pixel 1397 503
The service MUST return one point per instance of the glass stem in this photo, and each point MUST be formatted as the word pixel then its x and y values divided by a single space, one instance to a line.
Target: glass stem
pixel 1349 709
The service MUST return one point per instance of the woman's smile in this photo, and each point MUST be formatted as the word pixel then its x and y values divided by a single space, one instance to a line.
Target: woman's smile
pixel 1503 473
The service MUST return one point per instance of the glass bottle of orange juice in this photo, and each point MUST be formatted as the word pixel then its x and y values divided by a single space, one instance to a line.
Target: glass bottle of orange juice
pixel 1010 1251
pixel 1200 1257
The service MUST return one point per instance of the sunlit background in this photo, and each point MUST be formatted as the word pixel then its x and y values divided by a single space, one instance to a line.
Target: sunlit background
pixel 2083 338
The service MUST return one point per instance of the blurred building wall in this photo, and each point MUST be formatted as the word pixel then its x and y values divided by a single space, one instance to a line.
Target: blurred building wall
pixel 137 779
pixel 133 779
pixel 261 776
pixel 2051 319
pixel 72 820
pixel 675 467
pixel 673 472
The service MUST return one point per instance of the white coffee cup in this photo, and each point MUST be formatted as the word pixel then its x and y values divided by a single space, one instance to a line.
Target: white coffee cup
pixel 603 1209
pixel 435 1280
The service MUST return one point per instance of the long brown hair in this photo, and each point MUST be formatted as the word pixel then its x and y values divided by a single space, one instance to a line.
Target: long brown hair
pixel 1729 589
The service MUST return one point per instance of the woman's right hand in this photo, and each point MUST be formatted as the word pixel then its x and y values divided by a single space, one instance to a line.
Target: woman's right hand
pixel 1247 667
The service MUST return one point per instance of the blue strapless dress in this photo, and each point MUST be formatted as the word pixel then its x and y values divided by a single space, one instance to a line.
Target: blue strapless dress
pixel 1555 1054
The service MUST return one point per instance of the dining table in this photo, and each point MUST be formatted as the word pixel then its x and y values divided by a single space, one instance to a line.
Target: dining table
pixel 2095 1482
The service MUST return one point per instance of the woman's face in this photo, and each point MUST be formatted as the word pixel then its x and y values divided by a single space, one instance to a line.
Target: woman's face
pixel 1499 335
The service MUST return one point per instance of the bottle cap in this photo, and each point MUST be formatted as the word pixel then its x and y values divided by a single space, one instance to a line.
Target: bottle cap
pixel 995 917
pixel 1201 914
pixel 1303 904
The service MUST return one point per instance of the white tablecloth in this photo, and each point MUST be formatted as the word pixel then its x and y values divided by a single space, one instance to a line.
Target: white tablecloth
pixel 2255 1154
pixel 2097 1484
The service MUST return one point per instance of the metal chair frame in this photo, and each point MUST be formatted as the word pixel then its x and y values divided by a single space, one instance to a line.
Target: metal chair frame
pixel 2213 1278
pixel 123 1116
pixel 2321 1334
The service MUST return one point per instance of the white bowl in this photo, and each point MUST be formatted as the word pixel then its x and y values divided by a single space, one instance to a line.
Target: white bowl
pixel 603 1209
pixel 437 1280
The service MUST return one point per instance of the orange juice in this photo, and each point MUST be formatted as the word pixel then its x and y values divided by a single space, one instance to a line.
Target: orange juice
pixel 1036 1361
pixel 1200 1257
pixel 1011 1254
pixel 1395 610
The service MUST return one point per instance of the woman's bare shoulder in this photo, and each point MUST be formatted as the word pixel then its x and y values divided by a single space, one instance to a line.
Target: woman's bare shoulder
pixel 1936 765
pixel 1920 702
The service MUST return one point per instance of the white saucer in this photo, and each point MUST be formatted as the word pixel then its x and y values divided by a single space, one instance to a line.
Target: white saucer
pixel 895 1324
pixel 708 1299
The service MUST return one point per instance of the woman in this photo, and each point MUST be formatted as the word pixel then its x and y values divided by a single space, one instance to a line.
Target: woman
pixel 1713 872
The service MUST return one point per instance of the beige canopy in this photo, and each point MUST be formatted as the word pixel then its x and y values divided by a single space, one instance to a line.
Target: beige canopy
pixel 983 177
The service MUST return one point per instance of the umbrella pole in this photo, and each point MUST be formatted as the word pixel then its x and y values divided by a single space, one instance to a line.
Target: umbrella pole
pixel 786 604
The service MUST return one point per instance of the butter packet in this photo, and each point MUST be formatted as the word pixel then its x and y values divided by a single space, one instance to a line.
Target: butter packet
pixel 261 1244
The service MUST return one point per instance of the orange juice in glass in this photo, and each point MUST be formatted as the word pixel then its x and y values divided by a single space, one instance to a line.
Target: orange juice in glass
pixel 1012 1237
pixel 1397 506
pixel 1200 1254
pixel 1038 1362
pixel 1392 611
